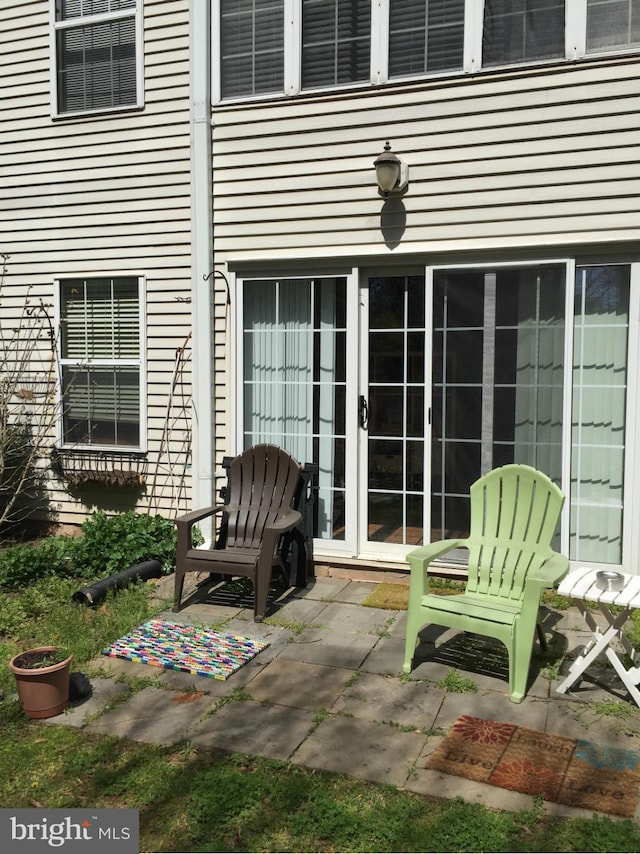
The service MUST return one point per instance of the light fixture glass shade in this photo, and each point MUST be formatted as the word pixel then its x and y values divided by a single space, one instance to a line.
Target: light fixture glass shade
pixel 387 173
pixel 391 174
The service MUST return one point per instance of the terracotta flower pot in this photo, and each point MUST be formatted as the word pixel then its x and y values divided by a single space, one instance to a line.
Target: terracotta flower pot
pixel 43 691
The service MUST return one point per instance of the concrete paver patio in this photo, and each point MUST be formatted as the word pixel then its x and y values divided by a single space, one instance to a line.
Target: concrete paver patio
pixel 328 694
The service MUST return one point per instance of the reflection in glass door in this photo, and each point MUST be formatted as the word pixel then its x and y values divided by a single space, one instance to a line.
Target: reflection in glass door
pixel 497 381
pixel 393 410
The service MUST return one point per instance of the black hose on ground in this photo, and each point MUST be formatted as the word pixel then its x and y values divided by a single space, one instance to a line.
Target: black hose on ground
pixel 96 592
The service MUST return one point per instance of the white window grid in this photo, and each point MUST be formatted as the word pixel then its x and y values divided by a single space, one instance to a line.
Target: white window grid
pixel 575 47
pixel 84 20
pixel 139 362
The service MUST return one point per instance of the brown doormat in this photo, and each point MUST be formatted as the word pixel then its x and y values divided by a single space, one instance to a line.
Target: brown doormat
pixel 564 770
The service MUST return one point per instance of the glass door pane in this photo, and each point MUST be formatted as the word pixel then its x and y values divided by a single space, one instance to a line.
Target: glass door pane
pixel 601 332
pixel 396 408
pixel 294 390
pixel 497 381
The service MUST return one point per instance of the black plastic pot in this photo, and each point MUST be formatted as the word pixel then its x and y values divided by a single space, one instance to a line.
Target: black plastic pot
pixel 97 591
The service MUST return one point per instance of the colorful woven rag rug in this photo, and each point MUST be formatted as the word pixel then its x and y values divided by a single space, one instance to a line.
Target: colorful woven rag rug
pixel 564 770
pixel 191 649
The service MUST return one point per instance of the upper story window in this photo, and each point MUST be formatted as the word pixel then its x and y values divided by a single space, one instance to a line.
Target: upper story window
pixel 336 41
pixel 271 47
pixel 612 24
pixel 97 45
pixel 251 47
pixel 101 358
pixel 522 31
pixel 425 37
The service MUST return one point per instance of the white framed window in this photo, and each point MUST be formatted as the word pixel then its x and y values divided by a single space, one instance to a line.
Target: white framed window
pixel 515 31
pixel 612 25
pixel 275 47
pixel 102 362
pixel 96 55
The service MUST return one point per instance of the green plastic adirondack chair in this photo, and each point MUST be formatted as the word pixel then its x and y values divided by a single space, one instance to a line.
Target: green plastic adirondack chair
pixel 514 514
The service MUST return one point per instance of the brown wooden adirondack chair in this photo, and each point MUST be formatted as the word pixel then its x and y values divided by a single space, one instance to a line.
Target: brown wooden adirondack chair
pixel 262 483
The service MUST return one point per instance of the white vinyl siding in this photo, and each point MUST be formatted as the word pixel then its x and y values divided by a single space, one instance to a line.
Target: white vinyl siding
pixel 97 47
pixel 100 196
pixel 495 162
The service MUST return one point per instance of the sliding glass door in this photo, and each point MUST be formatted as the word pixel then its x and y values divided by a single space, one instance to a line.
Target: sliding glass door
pixel 404 388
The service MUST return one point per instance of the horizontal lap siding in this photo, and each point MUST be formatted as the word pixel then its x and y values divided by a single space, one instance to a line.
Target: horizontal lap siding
pixel 529 158
pixel 106 194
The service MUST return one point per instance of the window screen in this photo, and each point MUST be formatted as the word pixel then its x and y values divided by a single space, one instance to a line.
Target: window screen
pixel 425 36
pixel 612 24
pixel 336 42
pixel 522 31
pixel 251 47
pixel 100 357
pixel 96 62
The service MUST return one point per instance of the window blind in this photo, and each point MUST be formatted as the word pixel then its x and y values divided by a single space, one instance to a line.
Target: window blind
pixel 522 30
pixel 67 9
pixel 97 66
pixel 612 24
pixel 100 338
pixel 425 36
pixel 251 47
pixel 336 42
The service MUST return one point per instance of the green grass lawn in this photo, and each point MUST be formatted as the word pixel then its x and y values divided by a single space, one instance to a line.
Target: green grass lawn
pixel 195 800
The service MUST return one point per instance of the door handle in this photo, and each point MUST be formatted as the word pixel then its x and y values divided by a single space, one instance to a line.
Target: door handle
pixel 363 411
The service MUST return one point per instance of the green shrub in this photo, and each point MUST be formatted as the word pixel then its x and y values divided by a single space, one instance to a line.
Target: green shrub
pixel 21 564
pixel 111 543
pixel 107 545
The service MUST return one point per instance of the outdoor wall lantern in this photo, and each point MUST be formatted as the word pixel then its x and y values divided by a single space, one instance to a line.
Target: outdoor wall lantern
pixel 392 173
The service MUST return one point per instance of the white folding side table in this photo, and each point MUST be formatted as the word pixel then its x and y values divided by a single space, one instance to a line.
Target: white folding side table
pixel 581 586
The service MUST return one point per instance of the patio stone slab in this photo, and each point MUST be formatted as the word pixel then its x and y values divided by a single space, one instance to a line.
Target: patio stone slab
pixel 103 692
pixel 202 613
pixel 386 700
pixel 248 727
pixel 353 618
pixel 584 720
pixel 376 752
pixel 154 715
pixel 122 667
pixel 399 627
pixel 495 706
pixel 299 684
pixel 386 657
pixel 296 610
pixel 355 592
pixel 323 589
pixel 335 649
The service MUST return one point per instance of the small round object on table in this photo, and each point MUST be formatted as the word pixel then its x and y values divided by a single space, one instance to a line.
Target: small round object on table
pixel 609 580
